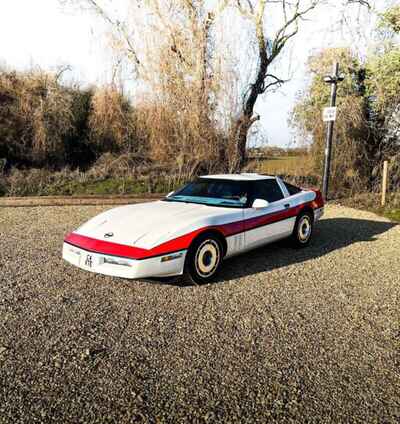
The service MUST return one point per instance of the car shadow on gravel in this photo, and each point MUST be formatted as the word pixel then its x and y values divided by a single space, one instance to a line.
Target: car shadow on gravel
pixel 329 235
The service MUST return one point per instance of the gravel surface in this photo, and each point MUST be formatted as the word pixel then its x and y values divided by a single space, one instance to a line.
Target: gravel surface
pixel 283 336
pixel 76 200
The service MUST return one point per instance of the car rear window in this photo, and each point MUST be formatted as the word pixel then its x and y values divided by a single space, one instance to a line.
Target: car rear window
pixel 292 189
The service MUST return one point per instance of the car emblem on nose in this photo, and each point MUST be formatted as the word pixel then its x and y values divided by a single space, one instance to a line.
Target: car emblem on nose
pixel 108 235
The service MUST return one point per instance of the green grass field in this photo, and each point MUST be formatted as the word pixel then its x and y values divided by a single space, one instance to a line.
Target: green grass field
pixel 393 214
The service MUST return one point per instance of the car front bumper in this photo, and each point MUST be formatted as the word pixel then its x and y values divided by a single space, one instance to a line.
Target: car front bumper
pixel 159 266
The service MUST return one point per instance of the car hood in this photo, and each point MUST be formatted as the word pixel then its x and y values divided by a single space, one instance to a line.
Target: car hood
pixel 149 224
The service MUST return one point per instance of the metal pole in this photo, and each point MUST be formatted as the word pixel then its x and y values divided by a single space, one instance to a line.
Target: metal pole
pixel 384 182
pixel 329 135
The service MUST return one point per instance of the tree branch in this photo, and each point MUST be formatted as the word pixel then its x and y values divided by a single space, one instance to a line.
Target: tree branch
pixel 120 27
pixel 365 3
pixel 276 82
pixel 249 13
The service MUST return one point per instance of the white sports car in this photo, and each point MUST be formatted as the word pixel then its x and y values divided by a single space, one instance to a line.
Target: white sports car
pixel 194 228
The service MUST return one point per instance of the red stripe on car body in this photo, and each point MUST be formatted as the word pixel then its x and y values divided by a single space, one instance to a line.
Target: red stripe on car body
pixel 131 252
pixel 182 242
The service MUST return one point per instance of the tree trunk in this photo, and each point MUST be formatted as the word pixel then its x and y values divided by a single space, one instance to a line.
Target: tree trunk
pixel 242 127
pixel 247 119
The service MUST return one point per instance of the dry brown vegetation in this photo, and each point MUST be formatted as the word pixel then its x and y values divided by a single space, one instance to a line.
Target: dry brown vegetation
pixel 186 58
pixel 36 115
pixel 44 123
pixel 52 135
pixel 112 126
pixel 189 113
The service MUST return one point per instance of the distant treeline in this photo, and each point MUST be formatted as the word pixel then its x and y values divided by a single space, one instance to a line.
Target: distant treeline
pixel 267 152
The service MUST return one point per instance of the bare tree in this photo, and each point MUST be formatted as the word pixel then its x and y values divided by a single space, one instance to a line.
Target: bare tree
pixel 268 49
pixel 187 50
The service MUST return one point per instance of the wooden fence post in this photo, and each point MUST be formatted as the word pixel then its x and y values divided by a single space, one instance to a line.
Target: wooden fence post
pixel 384 182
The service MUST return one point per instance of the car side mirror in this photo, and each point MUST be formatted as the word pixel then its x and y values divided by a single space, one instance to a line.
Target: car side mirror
pixel 260 203
pixel 170 193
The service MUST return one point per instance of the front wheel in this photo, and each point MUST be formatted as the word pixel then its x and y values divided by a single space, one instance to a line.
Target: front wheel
pixel 203 260
pixel 303 229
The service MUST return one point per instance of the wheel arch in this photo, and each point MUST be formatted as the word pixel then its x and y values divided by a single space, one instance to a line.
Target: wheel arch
pixel 216 233
pixel 307 208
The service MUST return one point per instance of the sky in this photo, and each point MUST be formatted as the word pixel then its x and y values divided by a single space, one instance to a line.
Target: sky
pixel 43 34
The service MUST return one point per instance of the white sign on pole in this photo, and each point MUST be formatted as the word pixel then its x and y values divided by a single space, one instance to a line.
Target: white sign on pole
pixel 329 114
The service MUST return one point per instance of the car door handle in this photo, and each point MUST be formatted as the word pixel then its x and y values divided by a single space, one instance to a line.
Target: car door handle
pixel 287 205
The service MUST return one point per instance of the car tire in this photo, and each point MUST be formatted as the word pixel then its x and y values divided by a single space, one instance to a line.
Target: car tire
pixel 303 229
pixel 203 260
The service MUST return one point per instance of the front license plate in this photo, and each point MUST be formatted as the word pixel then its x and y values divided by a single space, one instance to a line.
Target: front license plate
pixel 89 261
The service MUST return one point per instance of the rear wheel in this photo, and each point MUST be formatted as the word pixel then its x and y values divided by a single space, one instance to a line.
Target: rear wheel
pixel 203 259
pixel 303 229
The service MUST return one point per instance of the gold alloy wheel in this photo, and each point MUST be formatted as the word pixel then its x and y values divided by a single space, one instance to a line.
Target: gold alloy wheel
pixel 207 258
pixel 304 229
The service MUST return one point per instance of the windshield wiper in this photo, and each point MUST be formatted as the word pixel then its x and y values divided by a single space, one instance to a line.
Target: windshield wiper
pixel 229 203
pixel 168 199
pixel 216 205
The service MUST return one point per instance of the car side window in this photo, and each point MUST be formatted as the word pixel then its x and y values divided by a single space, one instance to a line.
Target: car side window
pixel 292 189
pixel 267 190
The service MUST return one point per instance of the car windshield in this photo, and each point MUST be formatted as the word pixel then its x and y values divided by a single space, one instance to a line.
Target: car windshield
pixel 212 192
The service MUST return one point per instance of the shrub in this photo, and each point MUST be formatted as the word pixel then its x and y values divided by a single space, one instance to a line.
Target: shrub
pixel 35 117
pixel 111 122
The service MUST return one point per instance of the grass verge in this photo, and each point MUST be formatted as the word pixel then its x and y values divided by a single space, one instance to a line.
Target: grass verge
pixel 371 202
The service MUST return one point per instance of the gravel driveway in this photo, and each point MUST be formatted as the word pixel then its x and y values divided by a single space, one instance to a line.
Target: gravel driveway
pixel 284 335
